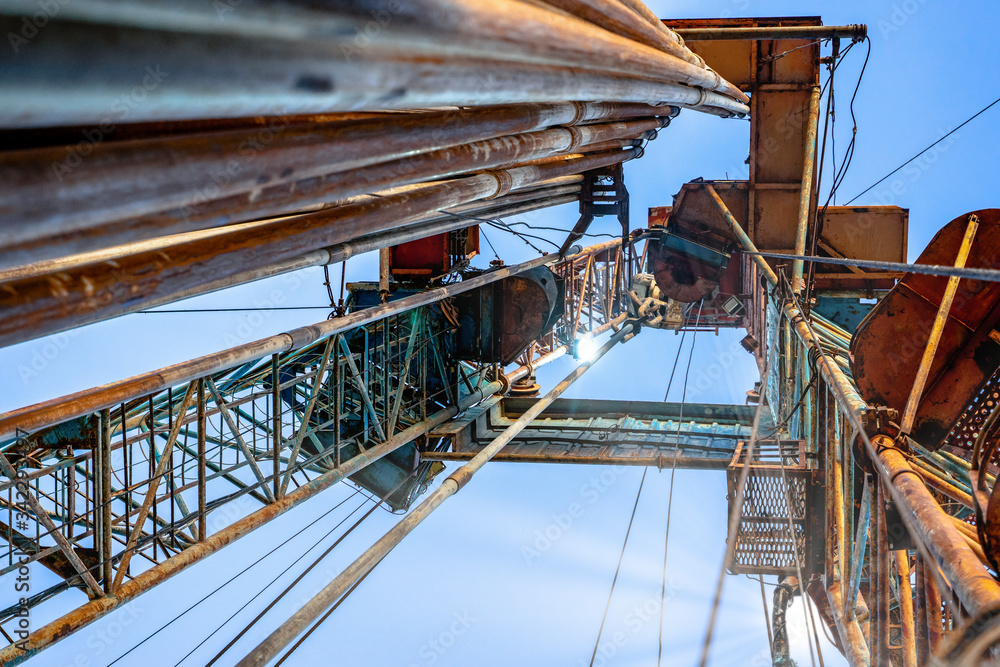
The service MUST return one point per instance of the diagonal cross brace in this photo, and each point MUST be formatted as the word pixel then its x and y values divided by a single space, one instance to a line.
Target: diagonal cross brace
pixel 154 482
pixel 43 518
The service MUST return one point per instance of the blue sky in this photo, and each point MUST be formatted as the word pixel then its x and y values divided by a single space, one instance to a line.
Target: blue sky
pixel 462 579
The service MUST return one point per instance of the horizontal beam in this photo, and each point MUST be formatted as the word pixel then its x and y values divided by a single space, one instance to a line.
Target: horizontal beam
pixel 855 32
pixel 598 432
pixel 662 460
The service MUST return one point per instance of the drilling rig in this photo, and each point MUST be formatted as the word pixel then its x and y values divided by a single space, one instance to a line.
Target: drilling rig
pixel 157 151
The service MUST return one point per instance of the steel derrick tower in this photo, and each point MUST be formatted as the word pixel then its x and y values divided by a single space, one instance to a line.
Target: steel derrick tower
pixel 157 151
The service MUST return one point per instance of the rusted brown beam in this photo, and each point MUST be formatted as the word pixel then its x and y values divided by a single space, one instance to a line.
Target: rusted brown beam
pixel 806 204
pixel 36 308
pixel 880 573
pixel 908 629
pixel 853 32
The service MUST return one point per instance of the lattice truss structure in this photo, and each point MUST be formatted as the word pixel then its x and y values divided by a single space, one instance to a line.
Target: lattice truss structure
pixel 130 493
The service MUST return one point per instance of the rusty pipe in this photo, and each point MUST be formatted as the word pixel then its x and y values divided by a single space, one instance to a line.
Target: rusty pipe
pixel 90 294
pixel 415 62
pixel 973 585
pixel 855 646
pixel 624 21
pixel 91 213
pixel 806 205
pixel 333 591
pixel 522 200
pixel 50 413
pixel 341 252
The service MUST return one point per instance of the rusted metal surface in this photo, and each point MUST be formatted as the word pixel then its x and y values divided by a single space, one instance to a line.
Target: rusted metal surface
pixel 528 303
pixel 977 590
pixel 87 213
pixel 908 628
pixel 90 294
pixel 735 31
pixel 967 356
pixel 806 204
pixel 431 53
pixel 934 338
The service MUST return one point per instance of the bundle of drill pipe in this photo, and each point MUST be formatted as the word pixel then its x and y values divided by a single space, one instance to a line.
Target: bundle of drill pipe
pixel 158 150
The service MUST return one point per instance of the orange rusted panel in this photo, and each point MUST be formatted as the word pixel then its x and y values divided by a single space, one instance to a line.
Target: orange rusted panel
pixel 861 232
pixel 888 345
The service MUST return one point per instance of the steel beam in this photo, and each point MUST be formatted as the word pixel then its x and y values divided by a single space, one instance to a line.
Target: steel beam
pixel 281 637
pixel 820 32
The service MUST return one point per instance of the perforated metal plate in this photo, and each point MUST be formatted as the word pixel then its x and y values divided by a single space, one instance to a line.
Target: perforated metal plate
pixel 766 541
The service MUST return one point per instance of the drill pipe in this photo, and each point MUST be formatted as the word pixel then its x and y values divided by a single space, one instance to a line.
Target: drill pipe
pixel 135 191
pixel 73 298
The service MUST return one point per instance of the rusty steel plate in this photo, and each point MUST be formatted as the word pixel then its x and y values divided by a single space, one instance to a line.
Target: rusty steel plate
pixel 890 342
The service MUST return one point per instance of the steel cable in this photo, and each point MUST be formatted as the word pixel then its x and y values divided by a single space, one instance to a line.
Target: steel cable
pixel 673 471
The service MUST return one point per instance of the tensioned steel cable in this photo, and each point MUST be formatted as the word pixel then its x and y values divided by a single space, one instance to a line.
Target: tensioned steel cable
pixel 244 570
pixel 737 511
pixel 316 562
pixel 989 275
pixel 673 470
pixel 325 616
pixel 280 574
pixel 677 357
pixel 966 122
pixel 618 569
pixel 767 621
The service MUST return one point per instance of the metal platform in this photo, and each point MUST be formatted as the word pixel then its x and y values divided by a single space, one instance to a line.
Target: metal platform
pixel 603 432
